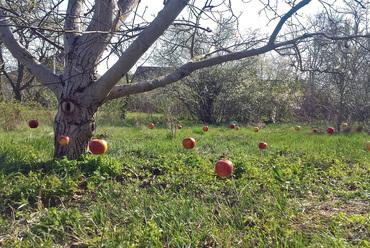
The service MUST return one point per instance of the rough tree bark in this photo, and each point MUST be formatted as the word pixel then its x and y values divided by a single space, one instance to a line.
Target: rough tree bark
pixel 80 93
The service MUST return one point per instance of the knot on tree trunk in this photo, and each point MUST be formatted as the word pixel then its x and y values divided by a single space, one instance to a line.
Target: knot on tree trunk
pixel 68 107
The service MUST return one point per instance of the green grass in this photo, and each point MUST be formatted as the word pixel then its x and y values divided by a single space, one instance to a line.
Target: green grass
pixel 304 190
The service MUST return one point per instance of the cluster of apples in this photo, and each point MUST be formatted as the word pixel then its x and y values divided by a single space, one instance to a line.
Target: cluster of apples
pixel 96 146
pixel 223 168
pixel 329 130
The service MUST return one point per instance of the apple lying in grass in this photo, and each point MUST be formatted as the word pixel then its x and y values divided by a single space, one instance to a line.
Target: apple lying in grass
pixel 98 146
pixel 33 123
pixel 237 128
pixel 205 128
pixel 188 143
pixel 330 130
pixel 151 126
pixel 262 145
pixel 314 130
pixel 344 125
pixel 63 140
pixel 256 129
pixel 232 126
pixel 224 168
pixel 368 145
pixel 179 127
pixel 297 128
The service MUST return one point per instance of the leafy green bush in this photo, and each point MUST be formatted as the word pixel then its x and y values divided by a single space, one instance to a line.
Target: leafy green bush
pixel 15 114
pixel 11 115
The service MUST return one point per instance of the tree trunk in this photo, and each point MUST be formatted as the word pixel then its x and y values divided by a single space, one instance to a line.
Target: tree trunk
pixel 78 122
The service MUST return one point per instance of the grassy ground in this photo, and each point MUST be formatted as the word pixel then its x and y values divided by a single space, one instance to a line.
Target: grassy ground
pixel 304 190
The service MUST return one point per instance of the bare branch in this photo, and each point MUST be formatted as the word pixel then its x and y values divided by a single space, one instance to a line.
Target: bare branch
pixel 285 18
pixel 164 19
pixel 43 74
pixel 188 68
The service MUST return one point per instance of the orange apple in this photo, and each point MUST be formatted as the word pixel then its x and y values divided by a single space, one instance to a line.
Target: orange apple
pixel 368 145
pixel 224 168
pixel 344 125
pixel 297 128
pixel 205 128
pixel 33 123
pixel 262 145
pixel 179 127
pixel 188 143
pixel 237 128
pixel 256 129
pixel 151 126
pixel 232 126
pixel 98 146
pixel 63 140
pixel 330 130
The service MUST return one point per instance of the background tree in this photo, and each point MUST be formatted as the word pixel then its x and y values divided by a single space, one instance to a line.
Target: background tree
pixel 33 26
pixel 88 29
pixel 337 71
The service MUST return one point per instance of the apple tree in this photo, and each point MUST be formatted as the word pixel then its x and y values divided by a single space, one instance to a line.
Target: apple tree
pixel 89 27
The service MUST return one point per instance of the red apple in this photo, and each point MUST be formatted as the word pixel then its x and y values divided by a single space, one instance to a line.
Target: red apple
pixel 344 125
pixel 151 126
pixel 237 128
pixel 368 145
pixel 330 130
pixel 63 140
pixel 205 128
pixel 256 129
pixel 232 126
pixel 262 145
pixel 224 168
pixel 297 128
pixel 314 130
pixel 33 123
pixel 179 127
pixel 98 146
pixel 188 143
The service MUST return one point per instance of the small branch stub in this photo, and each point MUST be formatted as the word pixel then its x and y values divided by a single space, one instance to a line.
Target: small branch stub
pixel 68 107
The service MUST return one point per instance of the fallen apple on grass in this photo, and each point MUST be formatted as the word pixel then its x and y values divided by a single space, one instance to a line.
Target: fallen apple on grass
pixel 188 143
pixel 297 128
pixel 205 128
pixel 237 128
pixel 368 145
pixel 63 140
pixel 224 168
pixel 98 146
pixel 151 126
pixel 330 130
pixel 232 126
pixel 256 129
pixel 262 145
pixel 314 130
pixel 179 127
pixel 344 124
pixel 33 123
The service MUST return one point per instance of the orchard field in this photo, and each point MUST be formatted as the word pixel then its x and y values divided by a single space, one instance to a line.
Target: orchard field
pixel 304 190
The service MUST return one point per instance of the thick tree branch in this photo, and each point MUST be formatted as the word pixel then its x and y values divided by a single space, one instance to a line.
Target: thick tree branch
pixel 285 18
pixel 43 74
pixel 188 68
pixel 143 42
pixel 126 7
pixel 72 24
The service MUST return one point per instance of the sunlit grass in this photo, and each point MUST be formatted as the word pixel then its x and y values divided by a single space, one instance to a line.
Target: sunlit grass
pixel 304 190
